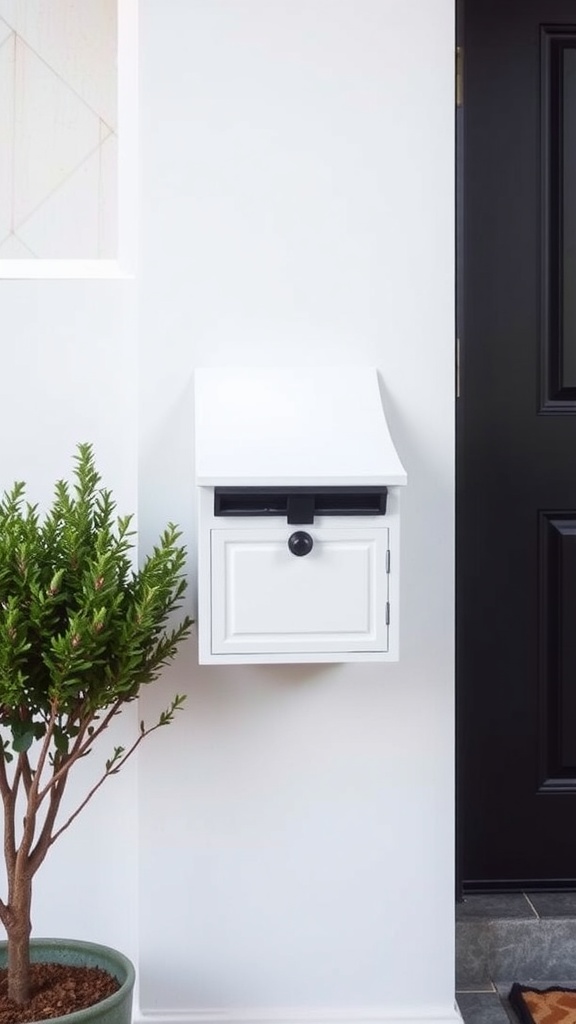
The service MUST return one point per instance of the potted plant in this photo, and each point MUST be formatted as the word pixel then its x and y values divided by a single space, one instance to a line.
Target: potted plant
pixel 80 632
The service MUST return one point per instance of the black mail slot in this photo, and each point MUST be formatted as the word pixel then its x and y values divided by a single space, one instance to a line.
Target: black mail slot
pixel 300 504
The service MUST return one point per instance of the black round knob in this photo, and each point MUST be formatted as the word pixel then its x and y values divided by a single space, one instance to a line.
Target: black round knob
pixel 300 543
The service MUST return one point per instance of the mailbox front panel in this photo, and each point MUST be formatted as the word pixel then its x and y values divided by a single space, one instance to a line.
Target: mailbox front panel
pixel 298 516
pixel 266 599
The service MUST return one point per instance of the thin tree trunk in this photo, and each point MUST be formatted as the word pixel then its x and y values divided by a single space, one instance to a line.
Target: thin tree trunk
pixel 19 931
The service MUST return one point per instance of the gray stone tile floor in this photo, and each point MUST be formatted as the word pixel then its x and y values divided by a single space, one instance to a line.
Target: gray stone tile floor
pixel 553 904
pixel 502 938
pixel 499 906
pixel 482 1008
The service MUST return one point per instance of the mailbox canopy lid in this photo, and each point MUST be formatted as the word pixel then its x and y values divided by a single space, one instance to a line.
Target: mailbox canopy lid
pixel 289 426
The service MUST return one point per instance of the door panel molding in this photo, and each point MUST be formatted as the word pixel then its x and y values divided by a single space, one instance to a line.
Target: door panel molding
pixel 558 205
pixel 557 668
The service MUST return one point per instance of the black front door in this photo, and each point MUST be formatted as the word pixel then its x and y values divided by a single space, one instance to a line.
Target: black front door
pixel 516 588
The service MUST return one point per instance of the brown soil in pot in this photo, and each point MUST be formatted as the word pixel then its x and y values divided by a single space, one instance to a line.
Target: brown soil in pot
pixel 58 989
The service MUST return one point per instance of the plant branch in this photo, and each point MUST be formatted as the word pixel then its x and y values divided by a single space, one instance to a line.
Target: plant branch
pixel 27 774
pixel 45 840
pixel 9 802
pixel 9 797
pixel 113 769
pixel 81 746
pixel 17 775
pixel 44 751
pixel 33 799
pixel 4 784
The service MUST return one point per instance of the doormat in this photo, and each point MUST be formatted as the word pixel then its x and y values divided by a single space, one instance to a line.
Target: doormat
pixel 543 1006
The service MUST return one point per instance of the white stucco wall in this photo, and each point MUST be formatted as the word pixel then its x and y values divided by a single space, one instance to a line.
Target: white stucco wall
pixel 296 843
pixel 285 850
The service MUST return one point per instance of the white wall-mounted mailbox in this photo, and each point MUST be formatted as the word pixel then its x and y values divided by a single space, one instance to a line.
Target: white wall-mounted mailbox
pixel 299 517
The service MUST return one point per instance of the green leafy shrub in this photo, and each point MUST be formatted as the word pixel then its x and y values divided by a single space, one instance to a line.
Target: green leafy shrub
pixel 80 632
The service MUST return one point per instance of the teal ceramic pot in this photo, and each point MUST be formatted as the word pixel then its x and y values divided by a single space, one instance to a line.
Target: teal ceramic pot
pixel 116 1009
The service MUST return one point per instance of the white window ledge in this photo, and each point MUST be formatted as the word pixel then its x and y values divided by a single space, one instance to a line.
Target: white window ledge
pixel 63 269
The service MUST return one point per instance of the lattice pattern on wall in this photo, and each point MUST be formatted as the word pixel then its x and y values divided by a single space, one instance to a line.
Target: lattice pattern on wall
pixel 58 129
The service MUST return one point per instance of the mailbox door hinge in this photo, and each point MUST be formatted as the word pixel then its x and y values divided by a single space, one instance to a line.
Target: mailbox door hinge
pixel 387 613
pixel 459 86
pixel 388 561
